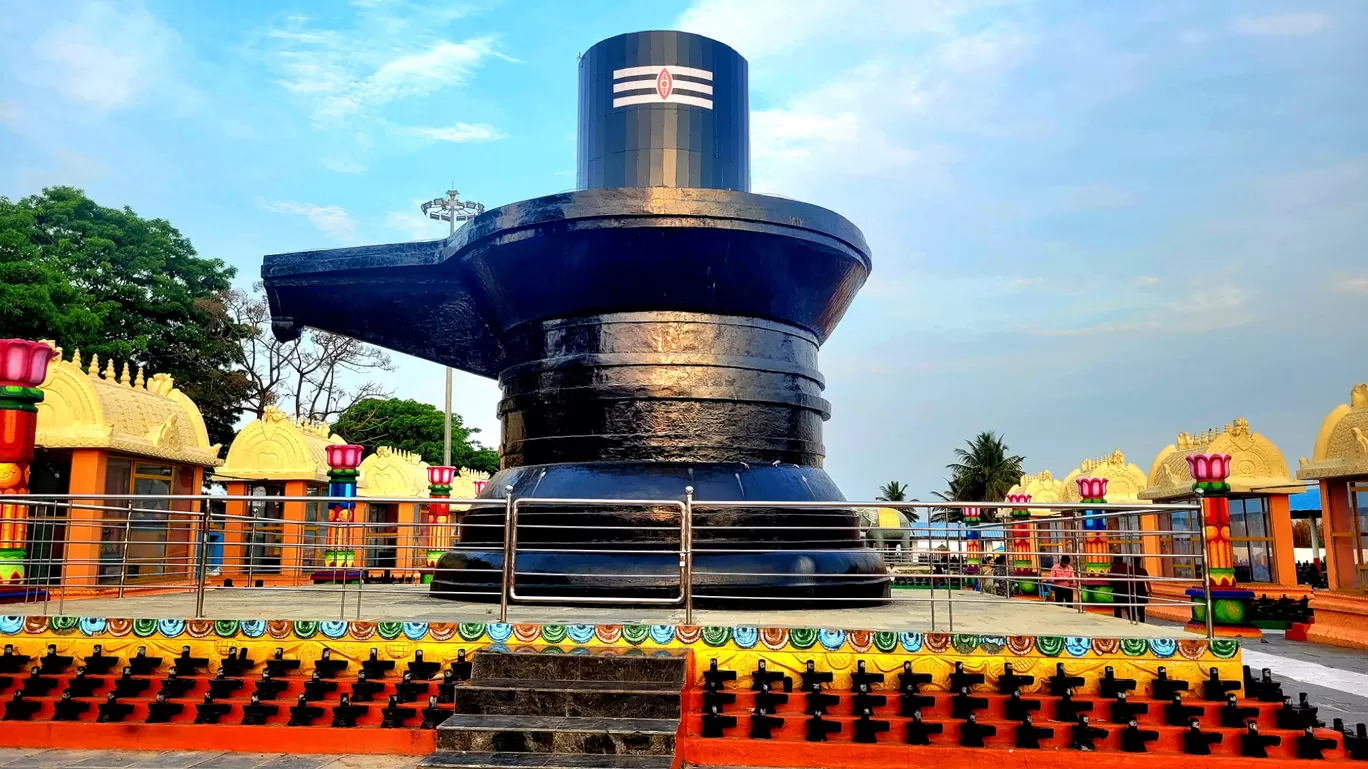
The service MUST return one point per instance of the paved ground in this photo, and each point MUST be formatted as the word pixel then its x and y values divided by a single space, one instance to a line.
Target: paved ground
pixel 128 759
pixel 911 610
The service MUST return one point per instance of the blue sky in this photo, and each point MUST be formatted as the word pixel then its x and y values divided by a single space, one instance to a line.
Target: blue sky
pixel 1094 224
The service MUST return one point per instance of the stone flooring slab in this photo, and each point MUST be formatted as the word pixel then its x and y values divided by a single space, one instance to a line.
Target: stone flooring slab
pixel 911 610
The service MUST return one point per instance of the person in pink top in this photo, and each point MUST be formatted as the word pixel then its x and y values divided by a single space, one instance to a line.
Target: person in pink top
pixel 1062 580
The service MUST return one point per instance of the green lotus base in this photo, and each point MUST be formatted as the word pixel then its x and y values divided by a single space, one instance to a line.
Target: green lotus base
pixel 12 565
pixel 1099 594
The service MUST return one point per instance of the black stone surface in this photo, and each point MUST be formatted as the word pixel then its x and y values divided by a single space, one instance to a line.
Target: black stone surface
pixel 592 669
pixel 661 143
pixel 656 330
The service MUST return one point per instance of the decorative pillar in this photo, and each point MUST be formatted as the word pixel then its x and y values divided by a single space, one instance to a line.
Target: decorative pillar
pixel 1096 556
pixel 1023 558
pixel 339 553
pixel 973 542
pixel 438 516
pixel 23 366
pixel 1230 605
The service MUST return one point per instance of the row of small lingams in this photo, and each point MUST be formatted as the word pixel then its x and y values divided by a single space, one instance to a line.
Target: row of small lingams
pixel 133 682
pixel 772 689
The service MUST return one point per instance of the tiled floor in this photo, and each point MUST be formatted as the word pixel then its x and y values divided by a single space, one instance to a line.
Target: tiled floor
pixel 126 759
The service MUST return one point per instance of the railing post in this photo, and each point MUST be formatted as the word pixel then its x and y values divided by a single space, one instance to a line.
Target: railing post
pixel 202 568
pixel 507 575
pixel 686 553
pixel 123 549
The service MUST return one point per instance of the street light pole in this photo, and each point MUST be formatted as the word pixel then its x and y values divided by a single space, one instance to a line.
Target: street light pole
pixel 452 209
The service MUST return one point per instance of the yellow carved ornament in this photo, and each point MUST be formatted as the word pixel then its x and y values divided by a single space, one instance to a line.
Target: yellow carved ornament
pixel 1125 480
pixel 83 408
pixel 278 447
pixel 1342 445
pixel 1256 464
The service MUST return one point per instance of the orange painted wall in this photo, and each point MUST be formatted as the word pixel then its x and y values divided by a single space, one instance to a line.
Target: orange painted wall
pixel 1284 558
pixel 83 523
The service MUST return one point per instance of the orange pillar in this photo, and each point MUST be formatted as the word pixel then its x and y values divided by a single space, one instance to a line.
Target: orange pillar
pixel 1149 544
pixel 82 565
pixel 1338 529
pixel 235 531
pixel 1284 557
pixel 292 552
pixel 409 543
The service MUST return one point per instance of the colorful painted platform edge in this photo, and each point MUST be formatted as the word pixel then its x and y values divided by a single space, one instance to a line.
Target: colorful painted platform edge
pixel 714 636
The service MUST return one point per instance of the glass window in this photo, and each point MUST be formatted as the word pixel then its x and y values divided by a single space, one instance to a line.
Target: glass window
pixel 1179 544
pixel 265 532
pixel 1250 539
pixel 1358 499
pixel 1123 534
pixel 118 480
pixel 314 519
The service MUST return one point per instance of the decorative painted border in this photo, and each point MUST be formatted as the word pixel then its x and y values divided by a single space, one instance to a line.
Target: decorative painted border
pixel 649 636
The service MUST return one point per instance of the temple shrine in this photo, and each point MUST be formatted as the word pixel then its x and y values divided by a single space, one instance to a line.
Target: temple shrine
pixel 1339 463
pixel 1260 528
pixel 103 428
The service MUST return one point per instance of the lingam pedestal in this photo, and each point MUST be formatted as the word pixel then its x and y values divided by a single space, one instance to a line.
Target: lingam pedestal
pixel 656 329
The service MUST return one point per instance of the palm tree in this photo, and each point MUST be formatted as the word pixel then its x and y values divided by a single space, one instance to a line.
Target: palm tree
pixel 897 492
pixel 892 492
pixel 982 473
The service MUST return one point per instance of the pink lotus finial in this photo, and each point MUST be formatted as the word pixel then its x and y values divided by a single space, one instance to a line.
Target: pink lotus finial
pixel 1209 468
pixel 344 456
pixel 24 363
pixel 1092 488
pixel 440 475
pixel 1018 499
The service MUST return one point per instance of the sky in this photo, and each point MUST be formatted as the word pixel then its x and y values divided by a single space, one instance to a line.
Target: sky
pixel 1093 225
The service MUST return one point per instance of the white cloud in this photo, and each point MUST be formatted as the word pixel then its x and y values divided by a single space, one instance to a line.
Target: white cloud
pixel 1020 283
pixel 331 220
pixel 460 132
pixel 1146 281
pixel 415 224
pixel 391 54
pixel 1355 285
pixel 759 28
pixel 106 55
pixel 1284 25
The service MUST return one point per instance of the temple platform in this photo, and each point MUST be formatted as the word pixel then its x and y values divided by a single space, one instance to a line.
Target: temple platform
pixel 966 613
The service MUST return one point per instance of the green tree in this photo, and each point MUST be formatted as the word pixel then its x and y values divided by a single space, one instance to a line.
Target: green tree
pixel 125 288
pixel 892 492
pixel 413 426
pixel 984 472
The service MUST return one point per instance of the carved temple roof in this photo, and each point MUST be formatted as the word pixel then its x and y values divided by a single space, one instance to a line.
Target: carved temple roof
pixel 1042 486
pixel 129 414
pixel 390 472
pixel 1342 444
pixel 1125 480
pixel 278 447
pixel 1256 464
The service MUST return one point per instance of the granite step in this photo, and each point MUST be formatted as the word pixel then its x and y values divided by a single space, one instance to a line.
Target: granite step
pixel 543 761
pixel 516 696
pixel 612 666
pixel 467 733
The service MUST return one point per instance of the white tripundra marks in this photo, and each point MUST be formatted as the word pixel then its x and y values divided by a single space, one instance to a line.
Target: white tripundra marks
pixel 662 84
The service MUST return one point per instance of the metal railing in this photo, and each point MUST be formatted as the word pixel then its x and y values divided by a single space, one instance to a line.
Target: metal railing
pixel 92 547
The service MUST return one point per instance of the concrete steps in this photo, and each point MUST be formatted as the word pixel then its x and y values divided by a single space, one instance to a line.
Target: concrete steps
pixel 595 710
